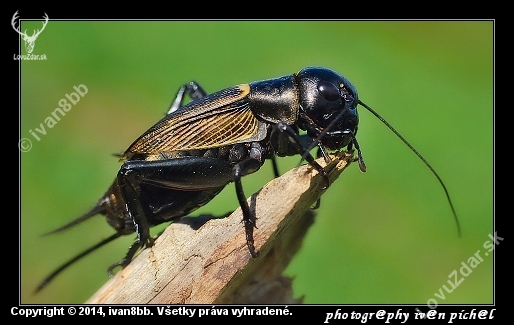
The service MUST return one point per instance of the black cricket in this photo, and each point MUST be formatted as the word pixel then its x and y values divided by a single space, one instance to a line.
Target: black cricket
pixel 190 155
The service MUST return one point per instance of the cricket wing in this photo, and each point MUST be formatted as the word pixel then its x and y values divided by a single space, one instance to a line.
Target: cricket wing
pixel 220 119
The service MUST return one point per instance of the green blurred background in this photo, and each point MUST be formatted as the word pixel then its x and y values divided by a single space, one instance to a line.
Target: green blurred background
pixel 385 236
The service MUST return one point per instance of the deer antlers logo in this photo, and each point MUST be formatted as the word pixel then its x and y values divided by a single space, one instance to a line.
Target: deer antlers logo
pixel 29 40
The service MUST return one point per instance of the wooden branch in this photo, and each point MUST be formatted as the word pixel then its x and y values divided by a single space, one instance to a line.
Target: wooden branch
pixel 213 265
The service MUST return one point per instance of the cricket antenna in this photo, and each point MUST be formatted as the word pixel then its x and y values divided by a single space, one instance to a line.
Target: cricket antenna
pixel 422 159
